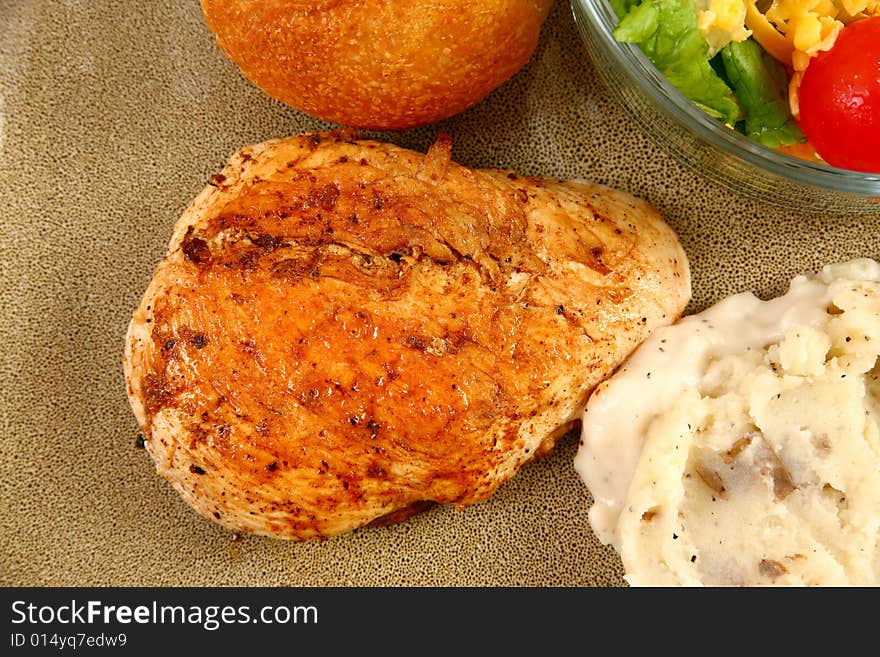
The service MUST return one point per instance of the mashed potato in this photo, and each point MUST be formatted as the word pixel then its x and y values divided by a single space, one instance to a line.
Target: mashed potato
pixel 740 446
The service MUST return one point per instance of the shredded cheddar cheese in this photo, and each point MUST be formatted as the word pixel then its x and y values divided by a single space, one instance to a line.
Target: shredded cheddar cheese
pixel 721 21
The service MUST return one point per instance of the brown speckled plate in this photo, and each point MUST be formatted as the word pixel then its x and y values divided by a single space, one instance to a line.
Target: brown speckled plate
pixel 112 118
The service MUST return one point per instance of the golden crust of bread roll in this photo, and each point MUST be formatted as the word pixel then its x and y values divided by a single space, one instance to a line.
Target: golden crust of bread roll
pixel 377 64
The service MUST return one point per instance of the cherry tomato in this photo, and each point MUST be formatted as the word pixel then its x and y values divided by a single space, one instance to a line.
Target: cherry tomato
pixel 840 99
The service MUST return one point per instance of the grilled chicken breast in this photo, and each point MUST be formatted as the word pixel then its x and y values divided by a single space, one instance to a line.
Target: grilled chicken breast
pixel 343 331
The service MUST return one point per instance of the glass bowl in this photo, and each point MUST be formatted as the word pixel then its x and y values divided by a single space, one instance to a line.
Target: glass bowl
pixel 707 146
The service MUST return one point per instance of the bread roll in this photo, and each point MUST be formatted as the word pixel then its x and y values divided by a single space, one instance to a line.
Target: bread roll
pixel 377 64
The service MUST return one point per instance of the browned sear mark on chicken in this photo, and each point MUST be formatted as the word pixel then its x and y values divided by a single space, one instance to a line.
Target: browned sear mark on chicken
pixel 298 267
pixel 196 250
pixel 268 243
pixel 596 261
pixel 157 392
pixel 415 342
pixel 324 197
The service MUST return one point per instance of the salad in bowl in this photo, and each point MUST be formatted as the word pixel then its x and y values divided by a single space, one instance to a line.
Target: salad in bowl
pixel 798 76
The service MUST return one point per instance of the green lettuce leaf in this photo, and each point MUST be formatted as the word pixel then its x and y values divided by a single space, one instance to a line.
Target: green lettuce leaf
pixel 621 7
pixel 666 31
pixel 760 85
